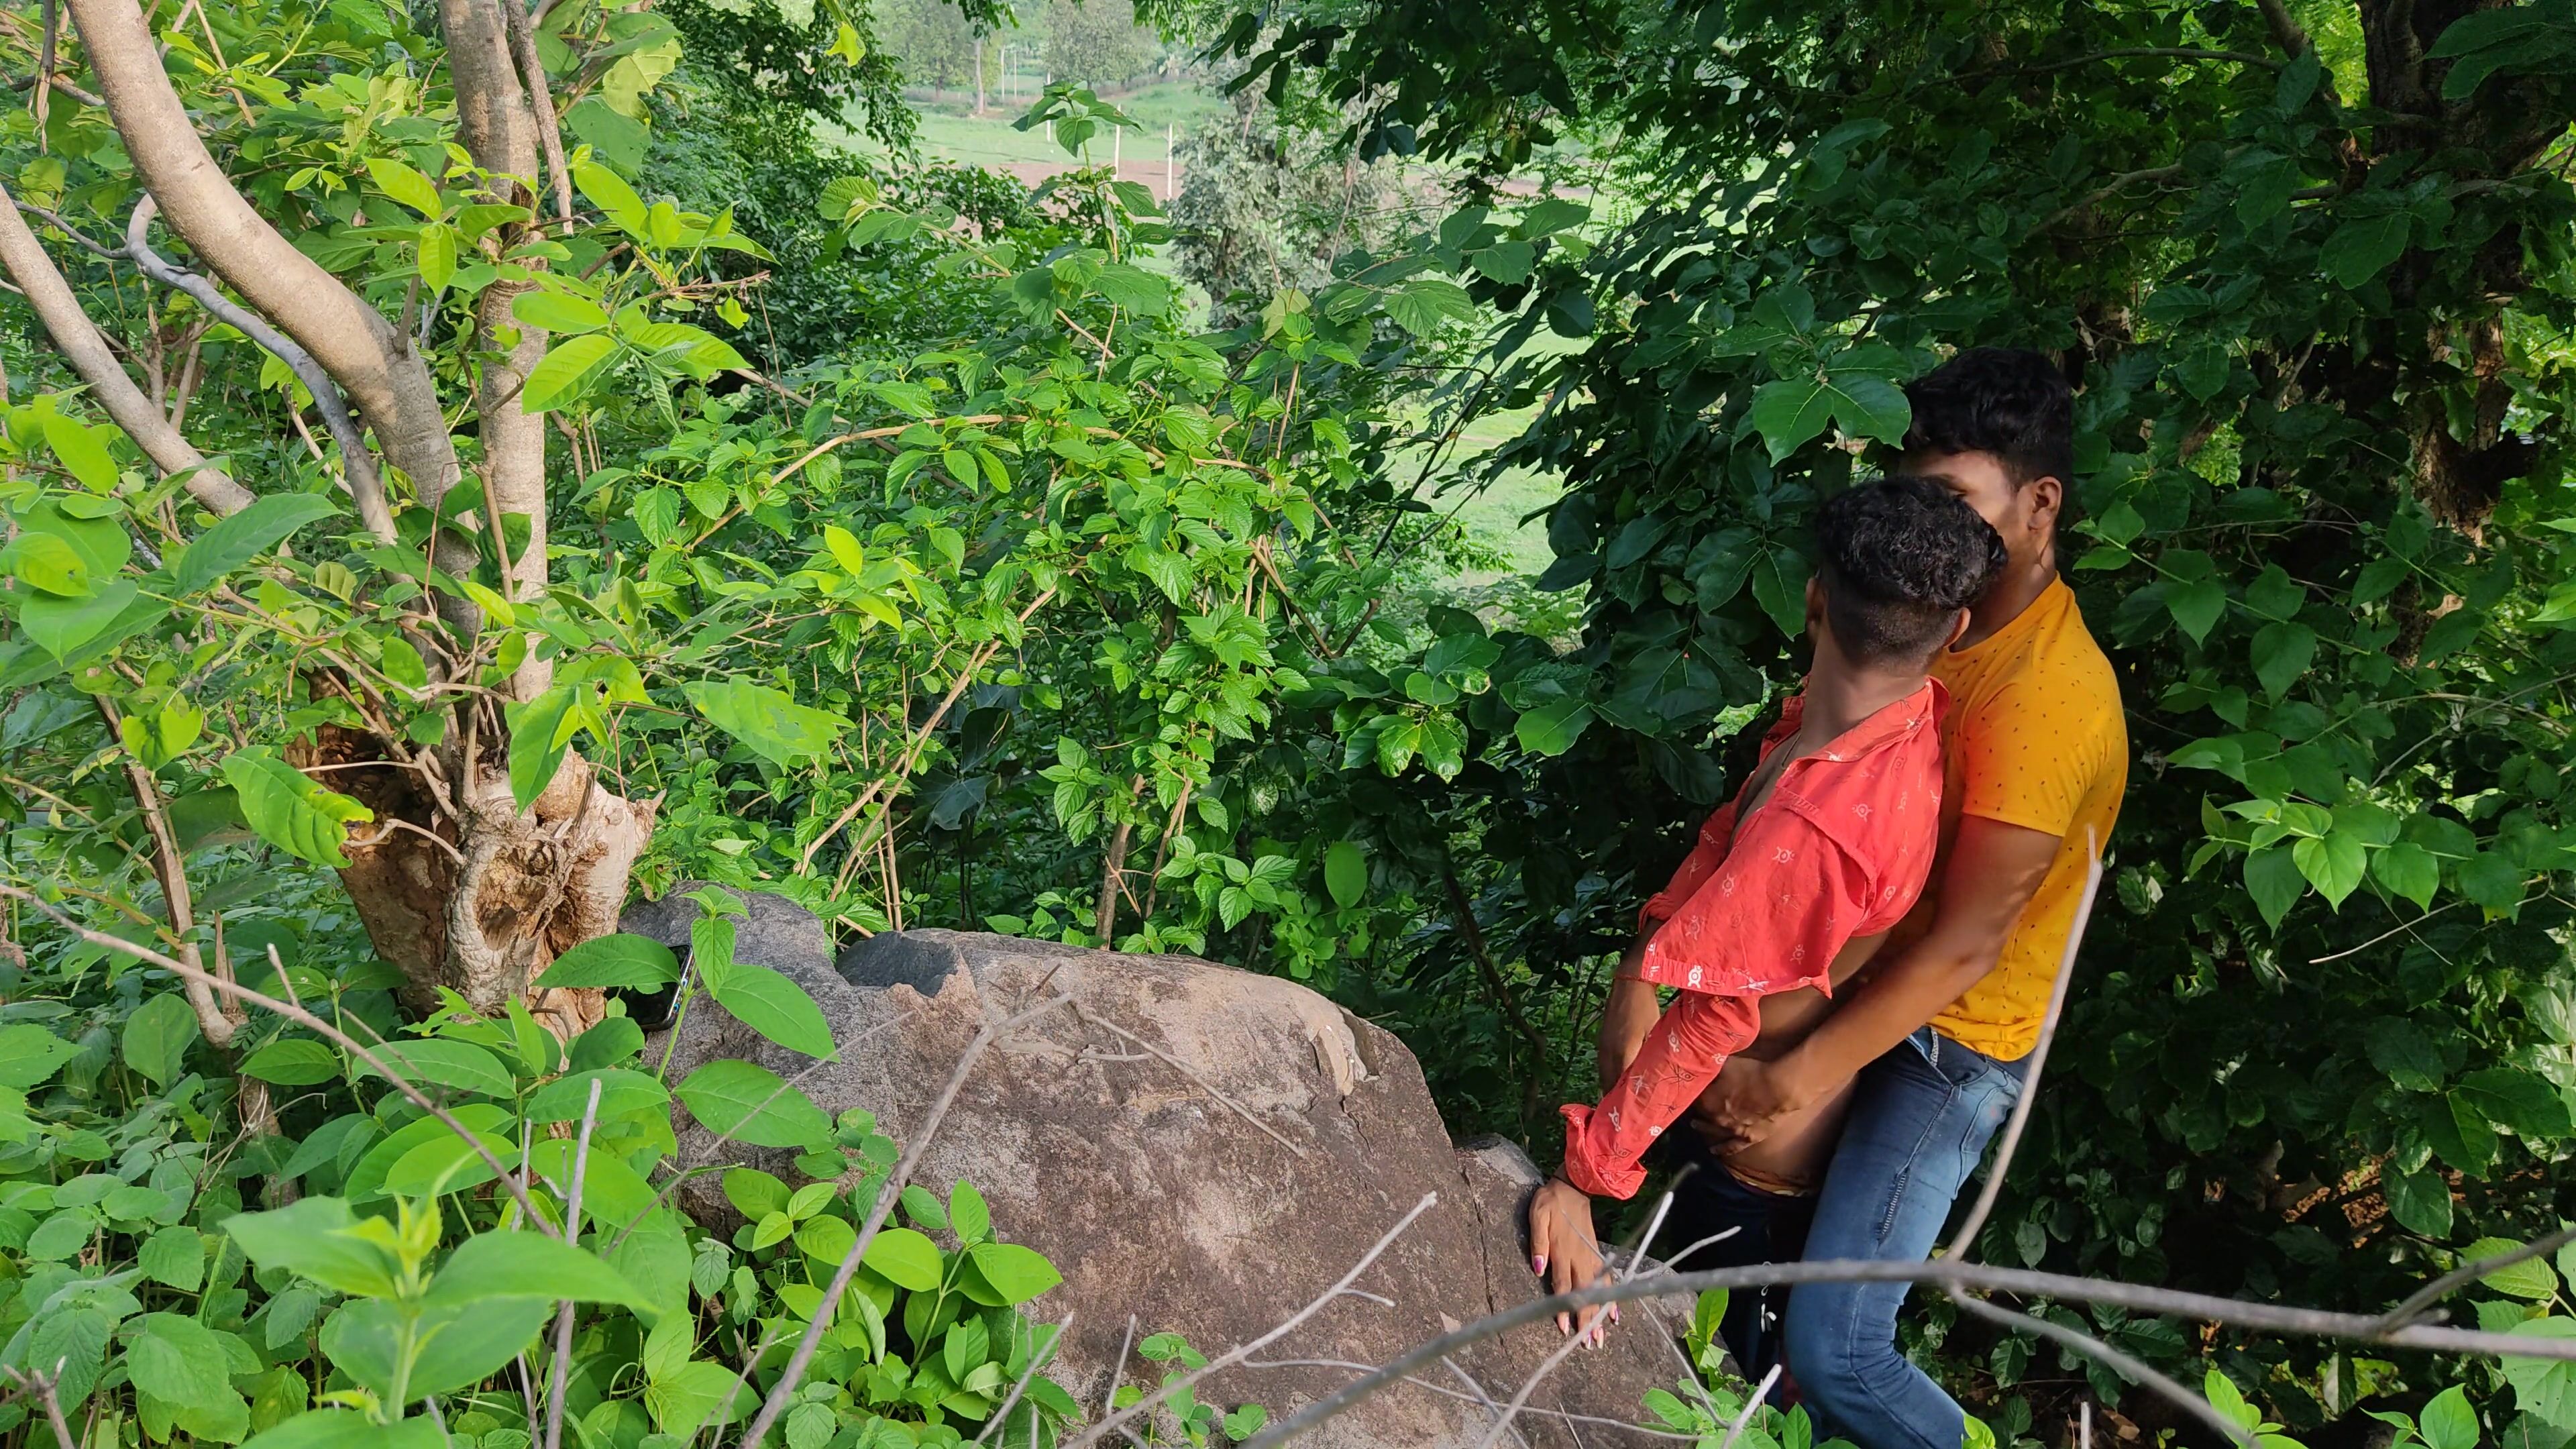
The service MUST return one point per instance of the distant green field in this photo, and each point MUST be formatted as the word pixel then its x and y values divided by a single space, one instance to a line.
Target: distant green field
pixel 951 131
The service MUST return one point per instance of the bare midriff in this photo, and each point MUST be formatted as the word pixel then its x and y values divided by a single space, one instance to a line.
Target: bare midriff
pixel 1791 1161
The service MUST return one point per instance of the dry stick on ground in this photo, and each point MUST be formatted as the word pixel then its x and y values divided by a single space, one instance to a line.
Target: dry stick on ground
pixel 1222 1362
pixel 572 1234
pixel 301 1017
pixel 892 1189
pixel 1118 1371
pixel 1231 1105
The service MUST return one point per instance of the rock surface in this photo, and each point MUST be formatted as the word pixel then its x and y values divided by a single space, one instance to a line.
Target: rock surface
pixel 1204 1148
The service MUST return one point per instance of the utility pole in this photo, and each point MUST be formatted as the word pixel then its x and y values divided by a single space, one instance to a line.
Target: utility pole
pixel 1117 142
pixel 1171 186
pixel 979 75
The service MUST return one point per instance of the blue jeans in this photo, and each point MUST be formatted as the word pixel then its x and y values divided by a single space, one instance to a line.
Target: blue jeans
pixel 1919 1124
pixel 1768 1228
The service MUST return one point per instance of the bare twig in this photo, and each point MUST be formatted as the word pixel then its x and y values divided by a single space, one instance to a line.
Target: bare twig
pixel 1037 1361
pixel 892 1189
pixel 42 1386
pixel 1582 1333
pixel 572 1234
pixel 2440 1288
pixel 301 1017
pixel 366 482
pixel 1237 1108
pixel 172 871
pixel 1752 1406
pixel 1222 1362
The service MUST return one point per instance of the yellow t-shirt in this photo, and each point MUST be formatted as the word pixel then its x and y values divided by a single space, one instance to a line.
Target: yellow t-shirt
pixel 2035 738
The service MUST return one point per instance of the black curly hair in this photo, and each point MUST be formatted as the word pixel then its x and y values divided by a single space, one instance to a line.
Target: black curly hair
pixel 2011 402
pixel 1898 559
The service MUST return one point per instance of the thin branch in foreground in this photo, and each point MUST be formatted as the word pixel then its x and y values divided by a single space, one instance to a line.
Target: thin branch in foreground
pixel 1583 1332
pixel 1037 1361
pixel 301 1017
pixel 1752 1406
pixel 887 1193
pixel 572 1234
pixel 1150 1402
pixel 1231 1105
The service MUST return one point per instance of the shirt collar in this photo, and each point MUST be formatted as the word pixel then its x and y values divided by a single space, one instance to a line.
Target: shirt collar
pixel 1887 724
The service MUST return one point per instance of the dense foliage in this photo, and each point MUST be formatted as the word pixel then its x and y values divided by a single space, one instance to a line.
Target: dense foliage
pixel 910 546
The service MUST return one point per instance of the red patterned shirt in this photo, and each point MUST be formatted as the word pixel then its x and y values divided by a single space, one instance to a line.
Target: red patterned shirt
pixel 1840 849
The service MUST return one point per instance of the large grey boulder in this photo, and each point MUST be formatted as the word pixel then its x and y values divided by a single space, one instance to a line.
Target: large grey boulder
pixel 1204 1148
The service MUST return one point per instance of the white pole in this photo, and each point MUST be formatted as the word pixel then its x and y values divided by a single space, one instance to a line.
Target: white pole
pixel 1117 142
pixel 1171 188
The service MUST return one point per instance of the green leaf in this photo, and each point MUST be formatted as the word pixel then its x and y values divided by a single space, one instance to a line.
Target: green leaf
pixel 1552 728
pixel 751 1104
pixel 157 1036
pixel 2275 882
pixel 405 185
pixel 2531 1280
pixel 348 1429
pixel 696 1395
pixel 2448 1422
pixel 2421 1203
pixel 1346 873
pixel 1780 587
pixel 2408 870
pixel 1017 1273
pixel 2519 1102
pixel 635 962
pixel 284 807
pixel 2282 652
pixel 2196 606
pixel 175 1257
pixel 437 1061
pixel 293 1062
pixel 559 377
pixel 774 725
pixel 2334 864
pixel 437 250
pixel 558 312
pixel 609 192
pixel 777 1008
pixel 244 536
pixel 82 450
pixel 968 1214
pixel 2360 250
pixel 47 562
pixel 29 1054
pixel 2458 1130
pixel 2492 881
pixel 540 730
pixel 526 1264
pixel 622 1093
pixel 1788 413
pixel 1422 304
pixel 313 1238
pixel 179 1360
pixel 2544 1388
pixel 906 1259
pixel 1869 406
pixel 62 626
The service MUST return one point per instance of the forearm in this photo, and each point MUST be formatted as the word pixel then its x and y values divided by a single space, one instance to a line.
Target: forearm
pixel 1897 1001
pixel 1626 1017
pixel 1605 1146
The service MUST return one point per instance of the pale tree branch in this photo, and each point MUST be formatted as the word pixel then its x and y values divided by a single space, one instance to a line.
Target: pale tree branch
pixel 2287 32
pixel 366 483
pixel 85 347
pixel 389 382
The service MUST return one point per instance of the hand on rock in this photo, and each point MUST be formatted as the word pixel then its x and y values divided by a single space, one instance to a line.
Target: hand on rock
pixel 1564 1253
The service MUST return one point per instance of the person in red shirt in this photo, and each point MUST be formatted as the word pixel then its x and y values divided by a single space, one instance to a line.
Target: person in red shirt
pixel 1823 849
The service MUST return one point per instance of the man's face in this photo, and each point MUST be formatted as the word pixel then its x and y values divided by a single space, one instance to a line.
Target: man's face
pixel 2025 514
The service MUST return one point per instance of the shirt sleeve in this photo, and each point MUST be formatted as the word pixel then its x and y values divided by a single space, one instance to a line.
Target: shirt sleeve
pixel 2029 760
pixel 1768 917
pixel 1695 869
pixel 1605 1145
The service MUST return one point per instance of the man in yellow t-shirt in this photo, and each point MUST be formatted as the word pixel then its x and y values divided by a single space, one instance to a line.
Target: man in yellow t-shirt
pixel 1929 1049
